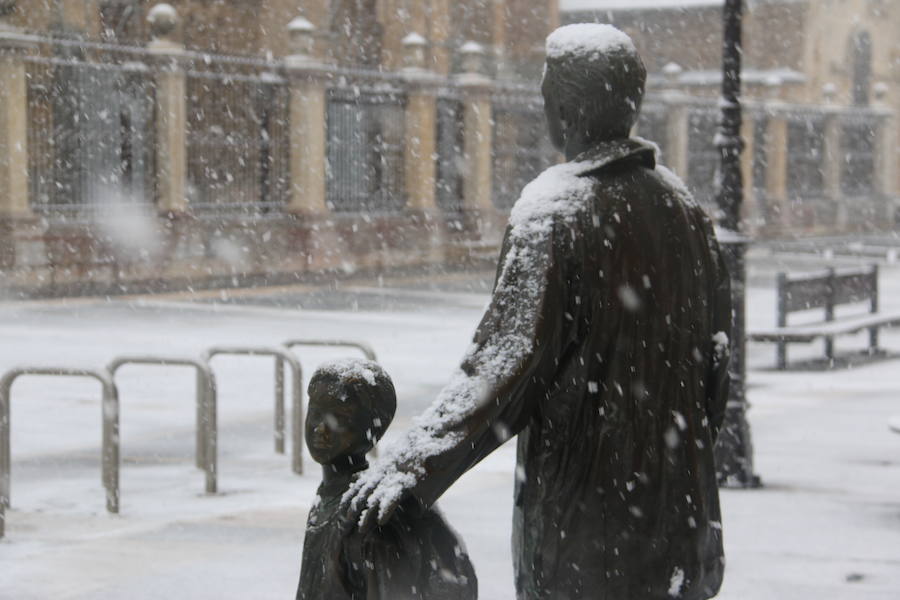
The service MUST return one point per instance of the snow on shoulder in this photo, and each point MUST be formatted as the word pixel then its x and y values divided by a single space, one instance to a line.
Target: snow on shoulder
pixel 558 192
pixel 592 39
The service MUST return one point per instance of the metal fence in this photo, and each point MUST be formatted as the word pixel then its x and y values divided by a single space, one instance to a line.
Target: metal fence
pixel 92 138
pixel 653 125
pixel 366 127
pixel 858 152
pixel 806 147
pixel 450 148
pixel 91 133
pixel 238 143
pixel 703 156
pixel 521 148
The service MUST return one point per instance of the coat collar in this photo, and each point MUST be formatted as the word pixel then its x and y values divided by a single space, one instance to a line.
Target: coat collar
pixel 606 153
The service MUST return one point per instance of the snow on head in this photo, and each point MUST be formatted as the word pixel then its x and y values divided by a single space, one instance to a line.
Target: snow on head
pixel 350 369
pixel 587 39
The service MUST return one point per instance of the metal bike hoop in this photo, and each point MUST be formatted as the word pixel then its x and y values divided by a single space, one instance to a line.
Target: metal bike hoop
pixel 363 347
pixel 282 356
pixel 110 441
pixel 206 453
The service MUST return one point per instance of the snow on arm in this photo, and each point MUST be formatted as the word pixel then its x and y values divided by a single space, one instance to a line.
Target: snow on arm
pixel 503 345
pixel 722 346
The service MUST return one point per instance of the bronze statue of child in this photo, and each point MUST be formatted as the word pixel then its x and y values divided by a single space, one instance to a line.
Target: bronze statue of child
pixel 415 555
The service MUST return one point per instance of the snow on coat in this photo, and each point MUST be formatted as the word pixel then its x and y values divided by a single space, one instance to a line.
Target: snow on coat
pixel 602 349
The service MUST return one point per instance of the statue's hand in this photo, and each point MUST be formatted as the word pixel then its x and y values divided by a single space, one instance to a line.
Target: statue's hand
pixel 373 498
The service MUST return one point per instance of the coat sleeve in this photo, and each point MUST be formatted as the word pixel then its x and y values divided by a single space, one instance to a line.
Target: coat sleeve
pixel 504 374
pixel 717 388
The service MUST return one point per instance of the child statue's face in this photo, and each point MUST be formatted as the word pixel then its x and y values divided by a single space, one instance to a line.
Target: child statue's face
pixel 336 428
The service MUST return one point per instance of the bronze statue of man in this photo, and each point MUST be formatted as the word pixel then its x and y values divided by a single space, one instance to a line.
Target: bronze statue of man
pixel 604 348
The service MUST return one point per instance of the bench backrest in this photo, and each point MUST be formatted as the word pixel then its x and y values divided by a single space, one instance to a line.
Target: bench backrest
pixel 826 291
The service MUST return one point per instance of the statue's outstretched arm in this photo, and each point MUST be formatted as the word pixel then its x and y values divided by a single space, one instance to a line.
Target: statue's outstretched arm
pixel 493 394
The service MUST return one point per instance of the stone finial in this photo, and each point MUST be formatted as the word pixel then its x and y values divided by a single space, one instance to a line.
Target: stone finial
pixel 473 58
pixel 414 46
pixel 302 36
pixel 672 71
pixel 829 92
pixel 773 85
pixel 163 19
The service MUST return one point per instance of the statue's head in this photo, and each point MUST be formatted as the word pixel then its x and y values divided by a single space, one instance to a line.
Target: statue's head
pixel 351 404
pixel 593 83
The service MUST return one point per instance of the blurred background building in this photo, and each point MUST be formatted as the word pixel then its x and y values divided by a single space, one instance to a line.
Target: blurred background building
pixel 822 90
pixel 213 142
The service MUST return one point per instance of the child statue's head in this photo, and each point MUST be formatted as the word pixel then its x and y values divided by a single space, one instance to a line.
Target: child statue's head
pixel 351 404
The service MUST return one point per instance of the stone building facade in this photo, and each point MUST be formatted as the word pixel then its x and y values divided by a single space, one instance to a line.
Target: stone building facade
pixel 821 89
pixel 215 142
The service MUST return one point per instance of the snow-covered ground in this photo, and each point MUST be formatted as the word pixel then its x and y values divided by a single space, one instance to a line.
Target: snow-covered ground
pixel 825 526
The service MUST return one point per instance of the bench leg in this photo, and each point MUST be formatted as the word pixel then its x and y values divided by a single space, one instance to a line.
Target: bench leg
pixel 873 340
pixel 781 356
pixel 829 348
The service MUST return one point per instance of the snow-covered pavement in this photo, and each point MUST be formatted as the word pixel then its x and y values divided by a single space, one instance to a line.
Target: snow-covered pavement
pixel 825 526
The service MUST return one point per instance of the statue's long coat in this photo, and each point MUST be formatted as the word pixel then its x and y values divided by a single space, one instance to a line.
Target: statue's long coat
pixel 622 307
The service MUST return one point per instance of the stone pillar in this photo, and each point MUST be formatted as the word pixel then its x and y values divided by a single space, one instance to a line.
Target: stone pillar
pixel 478 134
pixel 677 131
pixel 171 110
pixel 13 123
pixel 421 127
pixel 832 162
pixel 420 147
pixel 15 211
pixel 308 116
pixel 777 168
pixel 886 145
pixel 750 214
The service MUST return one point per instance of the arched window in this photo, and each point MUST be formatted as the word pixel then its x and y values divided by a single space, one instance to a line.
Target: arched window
pixel 861 64
pixel 355 26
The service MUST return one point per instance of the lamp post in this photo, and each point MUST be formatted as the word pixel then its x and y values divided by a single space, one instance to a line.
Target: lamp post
pixel 734 451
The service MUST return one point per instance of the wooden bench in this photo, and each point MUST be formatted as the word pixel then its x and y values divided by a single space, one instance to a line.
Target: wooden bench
pixel 827 291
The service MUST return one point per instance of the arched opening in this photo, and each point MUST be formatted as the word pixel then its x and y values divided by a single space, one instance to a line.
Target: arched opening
pixel 120 21
pixel 861 64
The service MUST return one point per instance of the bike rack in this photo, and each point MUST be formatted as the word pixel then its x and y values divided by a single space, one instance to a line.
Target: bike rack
pixel 110 443
pixel 282 355
pixel 206 452
pixel 361 346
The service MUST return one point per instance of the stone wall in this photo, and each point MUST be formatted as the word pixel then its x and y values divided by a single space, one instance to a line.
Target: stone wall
pixel 84 240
